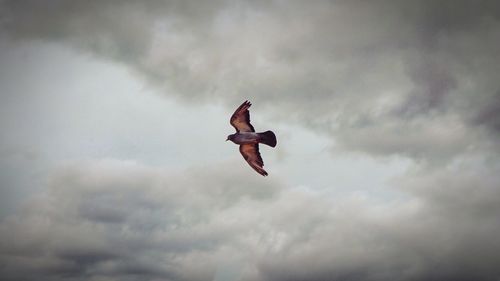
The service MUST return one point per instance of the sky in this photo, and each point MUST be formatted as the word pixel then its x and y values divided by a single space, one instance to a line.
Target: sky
pixel 113 164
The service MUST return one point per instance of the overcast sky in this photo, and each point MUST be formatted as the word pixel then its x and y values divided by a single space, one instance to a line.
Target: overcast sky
pixel 113 116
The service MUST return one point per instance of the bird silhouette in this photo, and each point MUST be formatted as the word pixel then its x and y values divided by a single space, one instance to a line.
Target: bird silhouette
pixel 248 139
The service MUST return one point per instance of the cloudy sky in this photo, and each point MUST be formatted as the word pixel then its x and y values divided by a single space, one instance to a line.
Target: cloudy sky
pixel 113 116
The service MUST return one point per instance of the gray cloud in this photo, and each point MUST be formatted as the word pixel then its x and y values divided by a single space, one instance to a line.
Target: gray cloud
pixel 121 220
pixel 383 67
pixel 110 220
pixel 417 79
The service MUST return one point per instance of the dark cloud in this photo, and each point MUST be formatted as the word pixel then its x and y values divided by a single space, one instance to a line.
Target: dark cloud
pixel 180 226
pixel 489 115
pixel 417 79
pixel 361 67
pixel 113 219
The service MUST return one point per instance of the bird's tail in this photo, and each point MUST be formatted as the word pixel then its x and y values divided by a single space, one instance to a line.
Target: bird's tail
pixel 268 137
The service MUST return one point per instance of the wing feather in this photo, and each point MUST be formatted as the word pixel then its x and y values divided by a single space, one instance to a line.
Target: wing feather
pixel 240 119
pixel 252 155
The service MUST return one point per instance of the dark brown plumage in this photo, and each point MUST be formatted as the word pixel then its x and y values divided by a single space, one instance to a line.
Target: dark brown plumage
pixel 240 119
pixel 248 139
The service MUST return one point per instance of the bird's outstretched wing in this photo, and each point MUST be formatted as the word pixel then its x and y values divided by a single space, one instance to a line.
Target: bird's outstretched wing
pixel 241 118
pixel 251 154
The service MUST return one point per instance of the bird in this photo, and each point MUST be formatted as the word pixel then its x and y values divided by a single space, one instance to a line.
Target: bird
pixel 248 139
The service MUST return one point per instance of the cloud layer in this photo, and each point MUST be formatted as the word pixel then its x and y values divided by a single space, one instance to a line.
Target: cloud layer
pixel 384 78
pixel 116 220
pixel 422 73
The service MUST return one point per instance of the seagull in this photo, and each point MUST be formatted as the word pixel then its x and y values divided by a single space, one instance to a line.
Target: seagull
pixel 248 139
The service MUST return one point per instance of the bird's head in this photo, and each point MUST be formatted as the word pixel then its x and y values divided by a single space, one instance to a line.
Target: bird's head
pixel 230 137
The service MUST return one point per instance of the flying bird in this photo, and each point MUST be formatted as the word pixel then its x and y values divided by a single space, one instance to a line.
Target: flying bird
pixel 248 139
